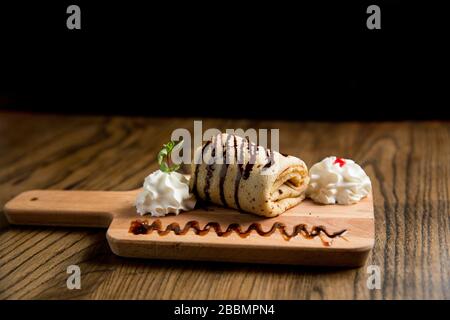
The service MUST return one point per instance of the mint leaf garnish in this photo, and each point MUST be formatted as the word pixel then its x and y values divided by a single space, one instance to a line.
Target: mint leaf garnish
pixel 164 157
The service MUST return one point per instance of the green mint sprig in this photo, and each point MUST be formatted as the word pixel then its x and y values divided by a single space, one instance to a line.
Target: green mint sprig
pixel 165 159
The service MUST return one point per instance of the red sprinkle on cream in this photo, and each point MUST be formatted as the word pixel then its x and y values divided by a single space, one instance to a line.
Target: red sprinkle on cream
pixel 339 161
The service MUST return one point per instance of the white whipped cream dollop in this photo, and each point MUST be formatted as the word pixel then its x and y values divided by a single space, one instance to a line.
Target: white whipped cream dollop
pixel 336 180
pixel 165 193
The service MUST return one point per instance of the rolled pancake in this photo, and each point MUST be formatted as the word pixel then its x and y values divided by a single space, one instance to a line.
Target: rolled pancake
pixel 239 174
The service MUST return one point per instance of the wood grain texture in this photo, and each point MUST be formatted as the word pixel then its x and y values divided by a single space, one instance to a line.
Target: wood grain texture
pixel 271 243
pixel 408 163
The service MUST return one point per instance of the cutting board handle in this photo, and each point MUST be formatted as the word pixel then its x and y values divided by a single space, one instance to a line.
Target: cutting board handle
pixel 65 208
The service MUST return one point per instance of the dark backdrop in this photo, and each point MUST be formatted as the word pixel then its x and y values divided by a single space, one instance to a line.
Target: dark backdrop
pixel 311 60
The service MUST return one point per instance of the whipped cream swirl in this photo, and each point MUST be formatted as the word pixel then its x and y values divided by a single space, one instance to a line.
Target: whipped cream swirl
pixel 336 180
pixel 165 192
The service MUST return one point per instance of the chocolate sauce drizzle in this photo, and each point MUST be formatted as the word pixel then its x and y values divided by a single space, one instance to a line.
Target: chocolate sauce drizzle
pixel 252 149
pixel 223 172
pixel 242 173
pixel 143 227
pixel 238 173
pixel 269 157
pixel 197 167
pixel 210 172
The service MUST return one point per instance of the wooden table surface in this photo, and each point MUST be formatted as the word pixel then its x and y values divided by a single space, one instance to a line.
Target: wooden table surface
pixel 408 162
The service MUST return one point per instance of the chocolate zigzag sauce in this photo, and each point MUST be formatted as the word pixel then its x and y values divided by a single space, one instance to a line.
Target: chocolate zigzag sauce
pixel 143 227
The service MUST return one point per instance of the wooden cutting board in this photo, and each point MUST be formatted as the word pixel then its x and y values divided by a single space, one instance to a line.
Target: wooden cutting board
pixel 115 210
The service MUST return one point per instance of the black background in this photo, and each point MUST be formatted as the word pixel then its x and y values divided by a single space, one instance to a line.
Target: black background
pixel 312 60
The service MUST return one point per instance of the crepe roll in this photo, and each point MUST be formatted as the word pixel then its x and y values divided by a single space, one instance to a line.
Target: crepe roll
pixel 233 172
